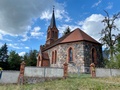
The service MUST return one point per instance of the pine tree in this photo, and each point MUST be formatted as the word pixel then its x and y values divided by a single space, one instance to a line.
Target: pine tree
pixel 3 53
pixel 4 56
pixel 14 61
pixel 30 58
pixel 66 31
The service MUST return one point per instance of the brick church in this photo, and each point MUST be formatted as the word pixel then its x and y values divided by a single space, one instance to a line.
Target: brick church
pixel 76 48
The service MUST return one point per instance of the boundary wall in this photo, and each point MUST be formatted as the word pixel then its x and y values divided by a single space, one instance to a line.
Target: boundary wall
pixel 104 72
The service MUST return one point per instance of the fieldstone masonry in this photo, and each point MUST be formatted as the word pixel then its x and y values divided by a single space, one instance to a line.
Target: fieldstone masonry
pixel 81 55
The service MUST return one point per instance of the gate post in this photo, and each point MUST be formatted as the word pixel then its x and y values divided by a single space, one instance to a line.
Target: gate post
pixel 21 75
pixel 92 70
pixel 65 70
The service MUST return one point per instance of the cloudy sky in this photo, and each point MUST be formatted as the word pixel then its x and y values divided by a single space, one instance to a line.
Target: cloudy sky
pixel 23 23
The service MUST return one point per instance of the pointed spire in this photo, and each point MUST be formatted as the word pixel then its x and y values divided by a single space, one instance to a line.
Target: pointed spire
pixel 52 24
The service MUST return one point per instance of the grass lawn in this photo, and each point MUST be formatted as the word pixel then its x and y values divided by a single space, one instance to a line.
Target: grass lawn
pixel 74 82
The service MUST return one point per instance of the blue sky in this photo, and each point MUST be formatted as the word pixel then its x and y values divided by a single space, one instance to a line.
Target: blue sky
pixel 23 23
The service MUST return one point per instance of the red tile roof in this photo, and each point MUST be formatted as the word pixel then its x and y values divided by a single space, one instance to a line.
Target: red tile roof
pixel 78 35
pixel 75 35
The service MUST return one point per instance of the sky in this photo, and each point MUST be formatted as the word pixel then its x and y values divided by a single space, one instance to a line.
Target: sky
pixel 23 23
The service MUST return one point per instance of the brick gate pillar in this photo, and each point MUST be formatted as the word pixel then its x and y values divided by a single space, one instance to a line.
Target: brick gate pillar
pixel 65 70
pixel 21 75
pixel 92 70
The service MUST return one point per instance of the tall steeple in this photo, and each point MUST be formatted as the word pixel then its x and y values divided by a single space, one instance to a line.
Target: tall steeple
pixel 52 24
pixel 52 32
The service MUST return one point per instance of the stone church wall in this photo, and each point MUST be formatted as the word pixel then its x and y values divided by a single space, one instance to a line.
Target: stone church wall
pixel 81 55
pixel 88 53
pixel 62 55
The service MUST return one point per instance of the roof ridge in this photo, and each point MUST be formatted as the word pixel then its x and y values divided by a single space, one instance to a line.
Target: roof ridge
pixel 73 36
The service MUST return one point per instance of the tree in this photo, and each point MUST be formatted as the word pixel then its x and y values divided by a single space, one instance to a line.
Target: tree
pixel 4 56
pixel 66 31
pixel 117 48
pixel 108 38
pixel 30 58
pixel 14 61
pixel 3 53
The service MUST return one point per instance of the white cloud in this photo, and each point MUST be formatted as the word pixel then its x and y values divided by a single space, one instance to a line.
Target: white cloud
pixel 36 32
pixel 15 46
pixel 25 37
pixel 92 25
pixel 117 23
pixel 1 37
pixel 97 3
pixel 22 53
pixel 17 15
pixel 110 5
pixel 8 40
pixel 27 47
pixel 46 15
pixel 59 14
pixel 1 44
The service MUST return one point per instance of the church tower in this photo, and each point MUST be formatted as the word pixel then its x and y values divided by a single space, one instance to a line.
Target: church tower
pixel 52 32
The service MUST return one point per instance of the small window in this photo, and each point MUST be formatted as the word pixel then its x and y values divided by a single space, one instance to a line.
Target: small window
pixel 52 57
pixel 94 56
pixel 55 56
pixel 70 55
pixel 56 34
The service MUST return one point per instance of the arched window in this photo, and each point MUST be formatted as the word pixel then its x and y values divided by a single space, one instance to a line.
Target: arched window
pixel 56 34
pixel 52 33
pixel 39 62
pixel 52 57
pixel 55 56
pixel 48 35
pixel 94 56
pixel 70 55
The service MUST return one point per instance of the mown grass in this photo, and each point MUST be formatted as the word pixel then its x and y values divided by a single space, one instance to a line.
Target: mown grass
pixel 74 82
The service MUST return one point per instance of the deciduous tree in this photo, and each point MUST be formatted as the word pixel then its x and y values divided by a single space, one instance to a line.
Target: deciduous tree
pixel 108 38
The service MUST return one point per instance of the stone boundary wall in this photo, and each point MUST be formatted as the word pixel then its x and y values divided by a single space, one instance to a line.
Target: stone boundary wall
pixel 9 77
pixel 103 72
pixel 41 74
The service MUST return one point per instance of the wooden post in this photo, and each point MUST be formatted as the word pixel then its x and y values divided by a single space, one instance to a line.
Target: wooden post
pixel 21 75
pixel 92 70
pixel 65 70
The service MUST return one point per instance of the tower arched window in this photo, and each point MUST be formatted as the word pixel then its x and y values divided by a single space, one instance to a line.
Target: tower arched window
pixel 56 35
pixel 52 33
pixel 48 35
pixel 70 55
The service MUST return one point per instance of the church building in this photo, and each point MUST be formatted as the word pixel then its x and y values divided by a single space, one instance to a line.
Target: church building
pixel 76 48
